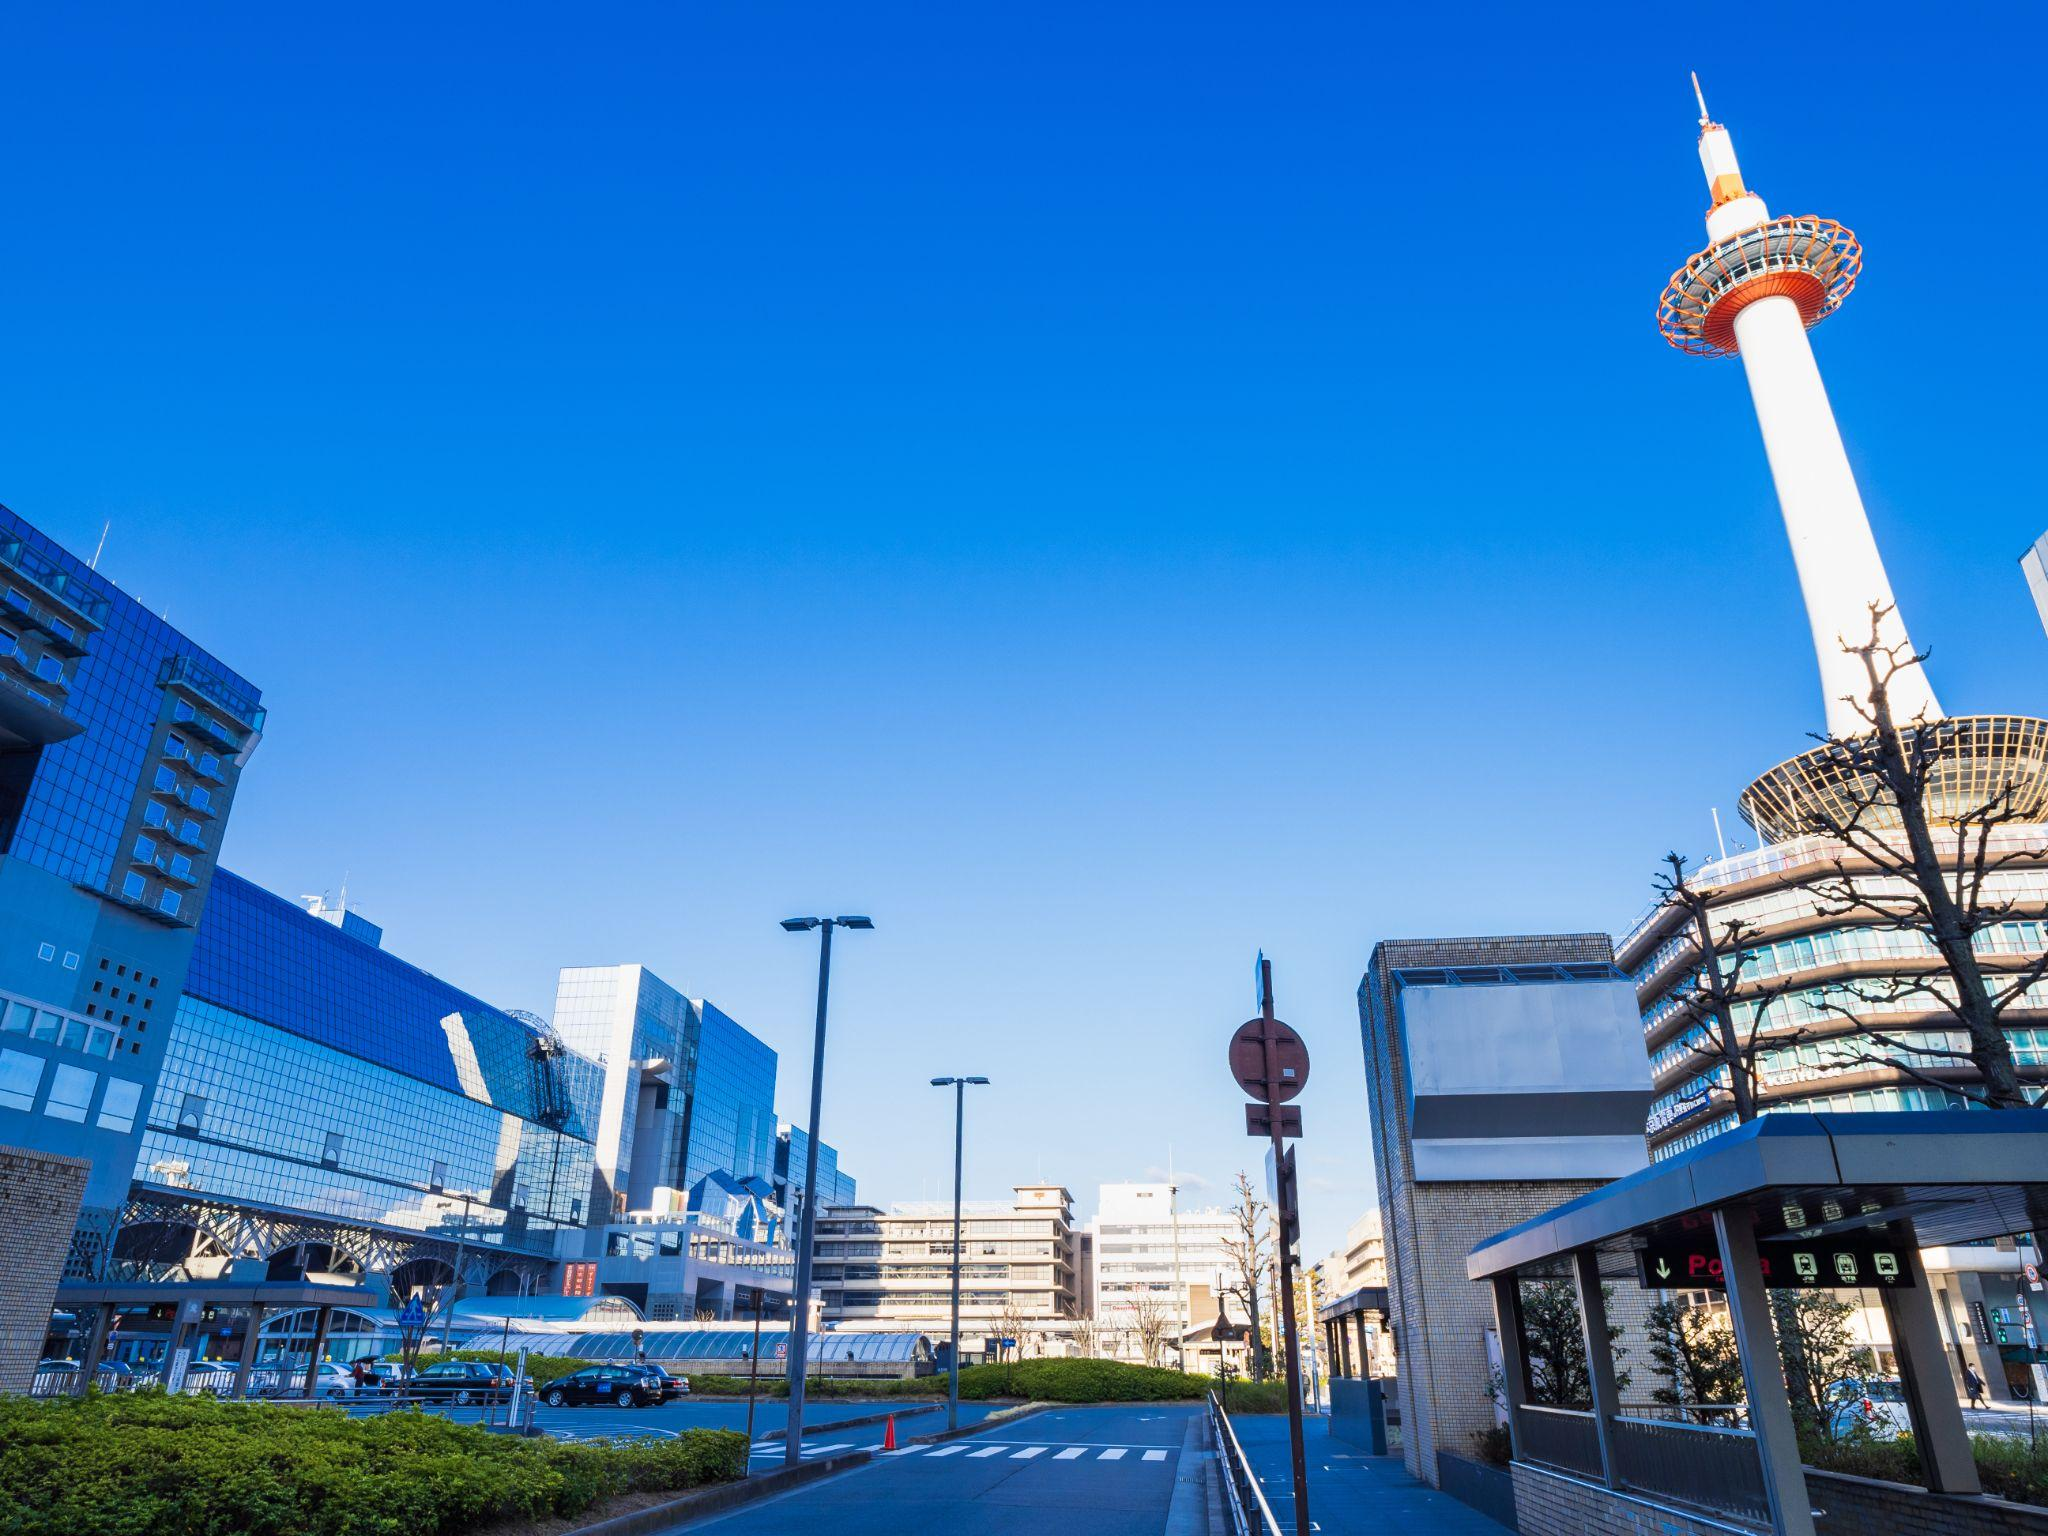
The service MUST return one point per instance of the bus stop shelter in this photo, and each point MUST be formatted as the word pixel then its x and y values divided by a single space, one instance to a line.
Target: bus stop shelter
pixel 1814 1200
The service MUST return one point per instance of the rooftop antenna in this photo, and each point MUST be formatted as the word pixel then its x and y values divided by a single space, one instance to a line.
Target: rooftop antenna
pixel 1701 97
pixel 1715 812
pixel 100 547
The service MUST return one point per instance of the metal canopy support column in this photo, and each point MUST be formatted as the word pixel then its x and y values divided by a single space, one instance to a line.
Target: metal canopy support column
pixel 1770 1409
pixel 1938 1431
pixel 249 1345
pixel 1599 1356
pixel 95 1348
pixel 320 1347
pixel 1507 1317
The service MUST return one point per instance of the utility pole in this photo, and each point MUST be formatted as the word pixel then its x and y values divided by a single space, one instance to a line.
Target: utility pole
pixel 959 1087
pixel 1180 1295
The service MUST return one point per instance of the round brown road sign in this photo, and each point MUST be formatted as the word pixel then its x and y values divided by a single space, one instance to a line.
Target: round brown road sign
pixel 1248 1060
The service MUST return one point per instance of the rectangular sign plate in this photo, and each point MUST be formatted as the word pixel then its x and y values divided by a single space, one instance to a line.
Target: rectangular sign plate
pixel 1840 1263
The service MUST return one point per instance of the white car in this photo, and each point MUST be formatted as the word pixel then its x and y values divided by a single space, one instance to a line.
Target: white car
pixel 289 1381
pixel 1874 1406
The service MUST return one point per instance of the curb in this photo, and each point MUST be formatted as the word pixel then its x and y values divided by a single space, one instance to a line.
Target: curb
pixel 716 1501
pixel 995 1420
pixel 860 1423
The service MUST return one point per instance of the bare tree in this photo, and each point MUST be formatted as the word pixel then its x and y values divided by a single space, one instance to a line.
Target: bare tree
pixel 1719 991
pixel 1248 1251
pixel 1149 1318
pixel 1086 1335
pixel 1931 878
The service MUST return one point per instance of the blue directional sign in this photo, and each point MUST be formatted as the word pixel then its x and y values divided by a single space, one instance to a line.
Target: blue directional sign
pixel 413 1315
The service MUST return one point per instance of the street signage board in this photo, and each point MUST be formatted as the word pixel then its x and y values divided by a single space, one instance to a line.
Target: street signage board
pixel 414 1315
pixel 1258 1120
pixel 1843 1262
pixel 1248 1059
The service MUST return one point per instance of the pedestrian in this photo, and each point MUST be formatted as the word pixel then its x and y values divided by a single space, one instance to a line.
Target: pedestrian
pixel 362 1374
pixel 1974 1385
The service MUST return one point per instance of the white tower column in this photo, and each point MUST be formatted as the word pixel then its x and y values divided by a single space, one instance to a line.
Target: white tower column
pixel 1840 571
pixel 1755 291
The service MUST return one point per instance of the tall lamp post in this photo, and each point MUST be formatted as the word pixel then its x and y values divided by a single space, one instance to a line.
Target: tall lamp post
pixel 959 1087
pixel 800 1321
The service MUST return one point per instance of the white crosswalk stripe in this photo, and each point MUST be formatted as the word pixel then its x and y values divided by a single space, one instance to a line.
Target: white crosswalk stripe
pixel 987 1450
pixel 1030 1451
pixel 1155 1455
pixel 1114 1453
pixel 1071 1453
pixel 949 1450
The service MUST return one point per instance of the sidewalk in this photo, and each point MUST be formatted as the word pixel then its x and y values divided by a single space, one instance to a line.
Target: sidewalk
pixel 1350 1494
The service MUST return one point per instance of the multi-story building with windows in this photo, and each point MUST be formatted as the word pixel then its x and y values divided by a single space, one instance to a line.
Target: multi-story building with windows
pixel 1158 1269
pixel 792 1147
pixel 694 1174
pixel 887 1270
pixel 328 1108
pixel 121 745
pixel 1360 1262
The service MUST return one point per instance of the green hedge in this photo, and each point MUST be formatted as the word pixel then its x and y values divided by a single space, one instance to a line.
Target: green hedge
pixel 2009 1467
pixel 1081 1381
pixel 145 1464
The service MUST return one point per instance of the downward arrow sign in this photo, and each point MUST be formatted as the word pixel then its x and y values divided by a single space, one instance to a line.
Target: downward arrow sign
pixel 1663 1270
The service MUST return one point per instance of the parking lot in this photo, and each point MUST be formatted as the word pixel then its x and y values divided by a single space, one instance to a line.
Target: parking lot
pixel 770 1416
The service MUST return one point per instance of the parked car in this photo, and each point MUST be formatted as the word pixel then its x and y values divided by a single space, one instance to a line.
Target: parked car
pixel 389 1378
pixel 289 1380
pixel 673 1384
pixel 629 1386
pixel 1874 1406
pixel 462 1382
pixel 209 1378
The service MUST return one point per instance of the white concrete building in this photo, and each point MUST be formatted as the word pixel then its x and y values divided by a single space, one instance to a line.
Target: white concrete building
pixel 1157 1269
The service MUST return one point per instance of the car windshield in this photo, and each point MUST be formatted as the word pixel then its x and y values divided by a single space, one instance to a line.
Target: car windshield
pixel 1884 1391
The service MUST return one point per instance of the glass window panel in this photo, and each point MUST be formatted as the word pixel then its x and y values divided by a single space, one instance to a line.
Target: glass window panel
pixel 47 1027
pixel 118 1104
pixel 17 1018
pixel 20 1075
pixel 70 1092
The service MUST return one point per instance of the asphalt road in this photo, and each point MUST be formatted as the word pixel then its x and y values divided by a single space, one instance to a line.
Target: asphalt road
pixel 1079 1471
pixel 731 1413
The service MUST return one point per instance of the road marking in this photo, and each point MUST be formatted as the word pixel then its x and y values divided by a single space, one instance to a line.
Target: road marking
pixel 1030 1451
pixel 949 1450
pixel 1114 1453
pixel 821 1450
pixel 1071 1452
pixel 987 1450
pixel 904 1450
pixel 1155 1455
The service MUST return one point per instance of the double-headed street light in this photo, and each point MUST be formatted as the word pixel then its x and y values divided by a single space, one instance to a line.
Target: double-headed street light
pixel 800 1319
pixel 959 1087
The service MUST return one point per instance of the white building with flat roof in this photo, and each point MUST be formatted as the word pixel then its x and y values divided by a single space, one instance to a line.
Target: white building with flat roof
pixel 1157 1269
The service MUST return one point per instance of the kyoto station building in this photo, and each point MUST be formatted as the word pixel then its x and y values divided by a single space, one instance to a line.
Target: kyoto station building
pixel 222 1109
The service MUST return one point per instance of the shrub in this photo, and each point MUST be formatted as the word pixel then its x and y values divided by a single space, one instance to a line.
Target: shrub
pixel 1492 1445
pixel 1082 1381
pixel 147 1464
pixel 1258 1397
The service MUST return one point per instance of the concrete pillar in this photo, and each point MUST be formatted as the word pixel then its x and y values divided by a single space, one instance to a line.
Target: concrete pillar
pixel 320 1328
pixel 1763 1374
pixel 1507 1318
pixel 95 1348
pixel 1938 1430
pixel 249 1347
pixel 1599 1356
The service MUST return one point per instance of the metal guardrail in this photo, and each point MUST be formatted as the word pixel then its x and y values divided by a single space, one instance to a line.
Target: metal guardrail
pixel 1244 1501
pixel 220 1384
pixel 1716 1469
pixel 1566 1438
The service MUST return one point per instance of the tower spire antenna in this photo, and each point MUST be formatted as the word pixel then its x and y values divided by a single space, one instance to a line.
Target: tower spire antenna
pixel 1701 97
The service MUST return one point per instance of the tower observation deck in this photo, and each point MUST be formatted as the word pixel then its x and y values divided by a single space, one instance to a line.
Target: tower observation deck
pixel 1753 292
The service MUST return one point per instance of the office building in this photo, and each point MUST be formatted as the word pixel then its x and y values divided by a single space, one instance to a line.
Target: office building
pixel 1503 1077
pixel 1359 1262
pixel 1158 1270
pixel 792 1145
pixel 892 1270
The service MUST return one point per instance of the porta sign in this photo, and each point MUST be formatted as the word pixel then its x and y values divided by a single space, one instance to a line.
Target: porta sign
pixel 1839 1263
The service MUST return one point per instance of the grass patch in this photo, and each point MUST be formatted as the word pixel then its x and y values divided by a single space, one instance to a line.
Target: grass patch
pixel 145 1464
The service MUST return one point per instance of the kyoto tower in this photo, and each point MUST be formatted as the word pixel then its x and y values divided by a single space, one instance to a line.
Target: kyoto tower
pixel 1759 286
pixel 1754 292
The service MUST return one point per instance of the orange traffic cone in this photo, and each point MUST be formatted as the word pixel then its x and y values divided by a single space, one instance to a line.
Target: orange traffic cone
pixel 889 1435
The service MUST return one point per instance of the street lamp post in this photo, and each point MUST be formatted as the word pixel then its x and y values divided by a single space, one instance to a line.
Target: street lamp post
pixel 959 1087
pixel 800 1320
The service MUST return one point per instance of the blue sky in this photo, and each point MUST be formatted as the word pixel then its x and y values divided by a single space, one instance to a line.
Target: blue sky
pixel 1102 490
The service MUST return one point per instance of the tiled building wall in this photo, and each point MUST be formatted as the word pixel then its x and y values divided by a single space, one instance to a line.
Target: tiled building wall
pixel 39 1196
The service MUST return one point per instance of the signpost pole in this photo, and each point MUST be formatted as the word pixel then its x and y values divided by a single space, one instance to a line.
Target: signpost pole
pixel 1287 1218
